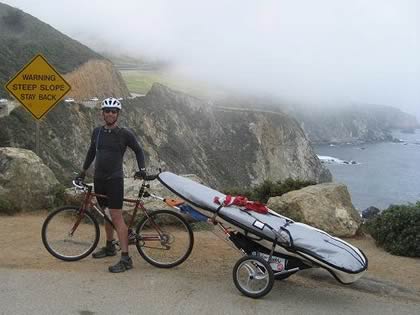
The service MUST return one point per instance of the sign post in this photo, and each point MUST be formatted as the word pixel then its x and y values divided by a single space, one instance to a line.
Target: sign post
pixel 37 138
pixel 38 87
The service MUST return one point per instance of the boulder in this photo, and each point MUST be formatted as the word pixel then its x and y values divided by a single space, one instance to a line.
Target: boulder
pixel 325 206
pixel 26 183
pixel 73 197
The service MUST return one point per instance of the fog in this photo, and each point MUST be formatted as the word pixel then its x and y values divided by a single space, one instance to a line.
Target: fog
pixel 324 52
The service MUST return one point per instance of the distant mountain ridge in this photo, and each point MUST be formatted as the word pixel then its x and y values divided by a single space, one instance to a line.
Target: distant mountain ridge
pixel 23 36
pixel 356 123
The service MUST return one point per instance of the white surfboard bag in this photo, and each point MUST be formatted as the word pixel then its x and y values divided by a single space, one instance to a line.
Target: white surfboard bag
pixel 302 245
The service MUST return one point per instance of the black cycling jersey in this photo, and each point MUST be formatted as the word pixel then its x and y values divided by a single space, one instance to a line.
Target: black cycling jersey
pixel 108 147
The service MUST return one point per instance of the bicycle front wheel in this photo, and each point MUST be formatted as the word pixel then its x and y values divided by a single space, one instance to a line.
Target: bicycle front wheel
pixel 164 238
pixel 69 235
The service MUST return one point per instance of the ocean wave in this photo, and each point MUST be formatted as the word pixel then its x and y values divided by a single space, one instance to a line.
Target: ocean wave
pixel 333 160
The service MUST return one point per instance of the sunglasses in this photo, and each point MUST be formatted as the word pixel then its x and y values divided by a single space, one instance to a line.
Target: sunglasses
pixel 114 111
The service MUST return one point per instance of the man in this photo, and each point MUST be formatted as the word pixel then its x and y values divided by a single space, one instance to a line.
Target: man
pixel 108 145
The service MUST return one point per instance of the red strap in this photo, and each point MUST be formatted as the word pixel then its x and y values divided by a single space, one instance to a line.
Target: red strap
pixel 242 201
pixel 228 200
pixel 257 207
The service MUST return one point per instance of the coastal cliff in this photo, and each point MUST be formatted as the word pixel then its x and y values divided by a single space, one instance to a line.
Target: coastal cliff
pixel 179 133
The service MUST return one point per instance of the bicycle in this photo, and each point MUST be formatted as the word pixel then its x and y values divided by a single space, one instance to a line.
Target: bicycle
pixel 162 237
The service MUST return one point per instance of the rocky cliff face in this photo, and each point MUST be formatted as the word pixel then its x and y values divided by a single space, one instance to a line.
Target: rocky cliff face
pixel 224 147
pixel 339 124
pixel 179 133
pixel 96 77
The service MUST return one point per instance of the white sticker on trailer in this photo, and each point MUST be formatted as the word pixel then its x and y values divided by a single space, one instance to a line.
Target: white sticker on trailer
pixel 258 224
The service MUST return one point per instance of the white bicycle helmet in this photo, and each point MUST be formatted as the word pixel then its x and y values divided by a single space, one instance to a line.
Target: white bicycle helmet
pixel 111 102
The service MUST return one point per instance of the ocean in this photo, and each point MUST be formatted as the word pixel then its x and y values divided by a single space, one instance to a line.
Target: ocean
pixel 382 174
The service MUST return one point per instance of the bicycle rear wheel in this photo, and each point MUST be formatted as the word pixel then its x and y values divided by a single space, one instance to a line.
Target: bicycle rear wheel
pixel 164 238
pixel 69 235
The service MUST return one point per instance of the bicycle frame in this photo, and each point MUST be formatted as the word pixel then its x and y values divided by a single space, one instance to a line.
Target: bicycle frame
pixel 88 203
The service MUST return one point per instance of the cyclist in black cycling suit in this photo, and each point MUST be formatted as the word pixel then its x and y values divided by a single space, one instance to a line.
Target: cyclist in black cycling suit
pixel 108 145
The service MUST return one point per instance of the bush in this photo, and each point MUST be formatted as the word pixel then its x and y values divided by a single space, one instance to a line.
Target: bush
pixel 58 195
pixel 268 189
pixel 6 207
pixel 397 229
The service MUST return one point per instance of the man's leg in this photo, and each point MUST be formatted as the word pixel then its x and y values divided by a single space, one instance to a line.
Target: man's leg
pixel 121 227
pixel 109 249
pixel 125 262
pixel 109 230
pixel 115 202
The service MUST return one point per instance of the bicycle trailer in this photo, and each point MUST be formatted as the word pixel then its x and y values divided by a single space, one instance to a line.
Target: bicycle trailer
pixel 275 246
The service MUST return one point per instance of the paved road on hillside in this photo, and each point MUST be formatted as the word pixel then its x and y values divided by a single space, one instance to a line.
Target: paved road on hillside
pixel 155 291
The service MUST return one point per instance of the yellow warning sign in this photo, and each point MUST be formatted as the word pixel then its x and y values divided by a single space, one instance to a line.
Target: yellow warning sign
pixel 38 86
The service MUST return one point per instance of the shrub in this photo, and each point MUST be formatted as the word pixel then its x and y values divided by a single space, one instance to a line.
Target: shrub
pixel 6 207
pixel 397 229
pixel 58 196
pixel 268 189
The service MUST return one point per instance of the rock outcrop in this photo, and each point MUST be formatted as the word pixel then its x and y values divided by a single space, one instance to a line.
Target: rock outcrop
pixel 26 183
pixel 325 206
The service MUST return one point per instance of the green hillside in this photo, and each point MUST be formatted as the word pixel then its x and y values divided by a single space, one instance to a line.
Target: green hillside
pixel 22 36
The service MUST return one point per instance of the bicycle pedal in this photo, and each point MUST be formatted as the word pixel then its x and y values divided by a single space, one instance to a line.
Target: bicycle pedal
pixel 132 237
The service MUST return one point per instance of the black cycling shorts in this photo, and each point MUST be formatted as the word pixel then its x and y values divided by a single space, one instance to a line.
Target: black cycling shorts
pixel 114 189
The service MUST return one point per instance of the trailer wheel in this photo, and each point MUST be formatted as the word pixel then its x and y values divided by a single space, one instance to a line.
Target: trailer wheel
pixel 253 276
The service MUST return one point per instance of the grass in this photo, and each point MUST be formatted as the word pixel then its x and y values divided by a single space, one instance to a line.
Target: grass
pixel 140 82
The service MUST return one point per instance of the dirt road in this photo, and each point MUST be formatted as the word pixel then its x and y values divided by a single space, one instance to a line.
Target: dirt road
pixel 28 274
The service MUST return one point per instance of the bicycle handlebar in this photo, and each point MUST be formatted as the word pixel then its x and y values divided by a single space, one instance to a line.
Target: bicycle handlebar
pixel 82 186
pixel 79 185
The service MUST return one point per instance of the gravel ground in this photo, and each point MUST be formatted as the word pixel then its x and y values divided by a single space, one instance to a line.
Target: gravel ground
pixel 388 277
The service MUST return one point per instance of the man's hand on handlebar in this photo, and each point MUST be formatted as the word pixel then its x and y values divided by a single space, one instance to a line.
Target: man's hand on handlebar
pixel 80 177
pixel 143 175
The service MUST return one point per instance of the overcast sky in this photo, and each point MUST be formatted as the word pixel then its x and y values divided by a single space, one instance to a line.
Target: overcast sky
pixel 313 52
